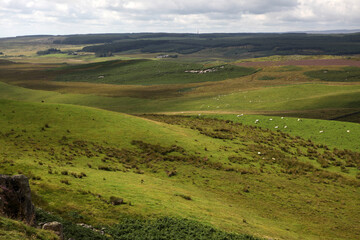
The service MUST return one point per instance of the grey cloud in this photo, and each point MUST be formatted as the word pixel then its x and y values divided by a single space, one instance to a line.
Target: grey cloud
pixel 203 6
pixel 84 16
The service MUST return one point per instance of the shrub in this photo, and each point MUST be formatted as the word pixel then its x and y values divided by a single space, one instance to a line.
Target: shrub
pixel 65 181
pixel 71 230
pixel 186 197
pixel 116 200
pixel 169 228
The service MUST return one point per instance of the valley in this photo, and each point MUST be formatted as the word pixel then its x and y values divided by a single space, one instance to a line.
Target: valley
pixel 198 146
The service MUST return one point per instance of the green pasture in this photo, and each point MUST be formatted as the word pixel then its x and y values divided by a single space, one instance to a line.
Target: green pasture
pixel 64 141
pixel 342 135
pixel 347 74
pixel 148 72
pixel 288 97
pixel 206 170
pixel 288 58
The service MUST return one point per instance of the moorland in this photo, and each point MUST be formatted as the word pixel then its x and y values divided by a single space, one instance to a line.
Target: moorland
pixel 201 136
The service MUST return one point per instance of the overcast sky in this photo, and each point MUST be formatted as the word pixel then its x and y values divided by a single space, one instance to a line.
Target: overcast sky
pixel 30 17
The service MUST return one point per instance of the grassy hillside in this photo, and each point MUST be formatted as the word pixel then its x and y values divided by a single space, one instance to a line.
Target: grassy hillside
pixel 342 135
pixel 164 86
pixel 81 159
pixel 148 72
pixel 335 133
pixel 217 173
pixel 301 97
pixel 347 74
pixel 14 230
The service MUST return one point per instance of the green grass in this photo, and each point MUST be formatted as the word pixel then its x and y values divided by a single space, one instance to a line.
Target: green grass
pixel 170 228
pixel 177 175
pixel 148 72
pixel 289 68
pixel 288 58
pixel 266 77
pixel 130 227
pixel 14 230
pixel 348 74
pixel 288 97
pixel 216 163
pixel 334 134
pixel 281 98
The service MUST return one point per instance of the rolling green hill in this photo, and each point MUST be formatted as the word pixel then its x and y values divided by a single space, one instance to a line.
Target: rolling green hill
pixel 212 167
pixel 347 74
pixel 301 97
pixel 149 72
pixel 335 134
pixel 235 177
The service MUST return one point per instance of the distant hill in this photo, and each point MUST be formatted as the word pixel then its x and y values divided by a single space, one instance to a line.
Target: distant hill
pixel 346 31
pixel 241 44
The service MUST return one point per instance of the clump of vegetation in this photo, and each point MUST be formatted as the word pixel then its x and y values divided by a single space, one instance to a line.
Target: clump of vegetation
pixel 71 230
pixel 65 181
pixel 49 51
pixel 116 200
pixel 169 228
pixel 266 77
pixel 186 197
pixel 289 68
pixel 348 74
pixel 104 54
pixel 11 229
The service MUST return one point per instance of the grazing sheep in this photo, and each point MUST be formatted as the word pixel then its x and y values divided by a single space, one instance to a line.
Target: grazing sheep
pixel 321 131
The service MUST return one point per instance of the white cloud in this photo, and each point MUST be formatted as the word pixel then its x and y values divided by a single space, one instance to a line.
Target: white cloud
pixel 19 17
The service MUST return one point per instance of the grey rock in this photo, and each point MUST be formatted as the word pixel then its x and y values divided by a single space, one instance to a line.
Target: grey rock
pixel 15 198
pixel 56 227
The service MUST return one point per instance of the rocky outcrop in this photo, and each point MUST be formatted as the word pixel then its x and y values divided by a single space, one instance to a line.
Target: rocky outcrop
pixel 116 201
pixel 15 198
pixel 56 227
